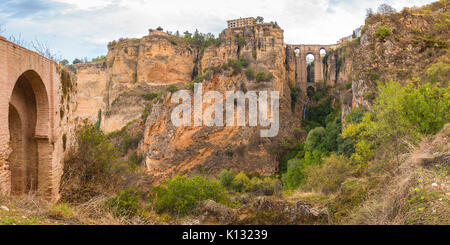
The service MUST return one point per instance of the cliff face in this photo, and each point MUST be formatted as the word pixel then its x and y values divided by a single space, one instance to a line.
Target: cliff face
pixel 132 68
pixel 208 150
pixel 135 76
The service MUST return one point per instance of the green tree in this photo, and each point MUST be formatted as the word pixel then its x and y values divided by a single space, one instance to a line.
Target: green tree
pixel 241 182
pixel 226 178
pixel 77 61
pixel 383 32
pixel 64 62
pixel 259 20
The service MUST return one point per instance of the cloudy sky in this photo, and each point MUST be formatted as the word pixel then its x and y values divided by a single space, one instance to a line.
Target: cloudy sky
pixel 82 28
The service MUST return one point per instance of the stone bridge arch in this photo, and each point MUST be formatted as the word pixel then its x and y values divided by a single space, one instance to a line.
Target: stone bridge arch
pixel 28 123
pixel 30 134
pixel 299 54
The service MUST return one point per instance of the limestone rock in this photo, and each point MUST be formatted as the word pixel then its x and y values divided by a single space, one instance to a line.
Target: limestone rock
pixel 216 213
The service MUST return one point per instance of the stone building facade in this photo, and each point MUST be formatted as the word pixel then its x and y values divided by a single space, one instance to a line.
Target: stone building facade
pixel 241 22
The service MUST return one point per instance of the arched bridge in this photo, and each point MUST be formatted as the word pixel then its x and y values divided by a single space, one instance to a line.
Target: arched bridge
pixel 306 73
pixel 30 136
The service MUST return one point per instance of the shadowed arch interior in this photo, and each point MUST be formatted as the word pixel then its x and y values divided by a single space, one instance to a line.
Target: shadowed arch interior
pixel 28 121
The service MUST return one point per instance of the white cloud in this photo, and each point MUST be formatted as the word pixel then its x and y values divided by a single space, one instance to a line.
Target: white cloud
pixel 79 28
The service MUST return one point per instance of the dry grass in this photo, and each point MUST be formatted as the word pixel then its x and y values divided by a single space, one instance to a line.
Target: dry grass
pixel 31 210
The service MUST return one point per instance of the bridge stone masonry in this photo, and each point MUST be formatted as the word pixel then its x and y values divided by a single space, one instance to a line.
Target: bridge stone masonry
pixel 298 64
pixel 31 148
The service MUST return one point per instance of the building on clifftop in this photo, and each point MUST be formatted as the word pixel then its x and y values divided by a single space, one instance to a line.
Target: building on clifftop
pixel 241 22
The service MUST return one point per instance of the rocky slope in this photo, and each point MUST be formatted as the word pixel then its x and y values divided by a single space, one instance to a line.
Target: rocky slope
pixel 416 39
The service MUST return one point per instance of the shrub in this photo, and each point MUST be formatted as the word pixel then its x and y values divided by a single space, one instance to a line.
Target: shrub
pixel 152 96
pixel 439 73
pixel 198 79
pixel 294 176
pixel 267 186
pixel 180 195
pixel 263 77
pixel 91 170
pixel 236 65
pixel 130 142
pixel 241 182
pixel 383 32
pixel 243 61
pixel 146 112
pixel 328 176
pixel 240 40
pixel 135 159
pixel 318 95
pixel 226 177
pixel 250 74
pixel 295 92
pixel 316 139
pixel 126 204
pixel 355 115
pixel 172 88
pixel 295 152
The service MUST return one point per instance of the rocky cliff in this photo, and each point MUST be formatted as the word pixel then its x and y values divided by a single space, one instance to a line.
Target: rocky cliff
pixel 114 87
pixel 208 150
pixel 137 77
pixel 401 46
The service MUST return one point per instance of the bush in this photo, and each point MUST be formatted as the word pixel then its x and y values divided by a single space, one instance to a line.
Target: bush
pixel 294 176
pixel 263 77
pixel 130 142
pixel 90 171
pixel 250 74
pixel 240 41
pixel 172 88
pixel 152 96
pixel 241 182
pixel 328 176
pixel 146 112
pixel 180 195
pixel 355 115
pixel 126 204
pixel 226 177
pixel 243 61
pixel 439 73
pixel 316 139
pixel 267 186
pixel 383 32
pixel 198 79
pixel 236 65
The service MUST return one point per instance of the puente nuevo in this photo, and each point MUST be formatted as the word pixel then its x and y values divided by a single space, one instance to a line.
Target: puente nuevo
pixel 33 107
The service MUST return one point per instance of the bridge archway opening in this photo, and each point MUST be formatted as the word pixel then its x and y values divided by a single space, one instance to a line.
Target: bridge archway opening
pixel 310 91
pixel 310 58
pixel 28 123
pixel 296 51
pixel 322 52
pixel 310 68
